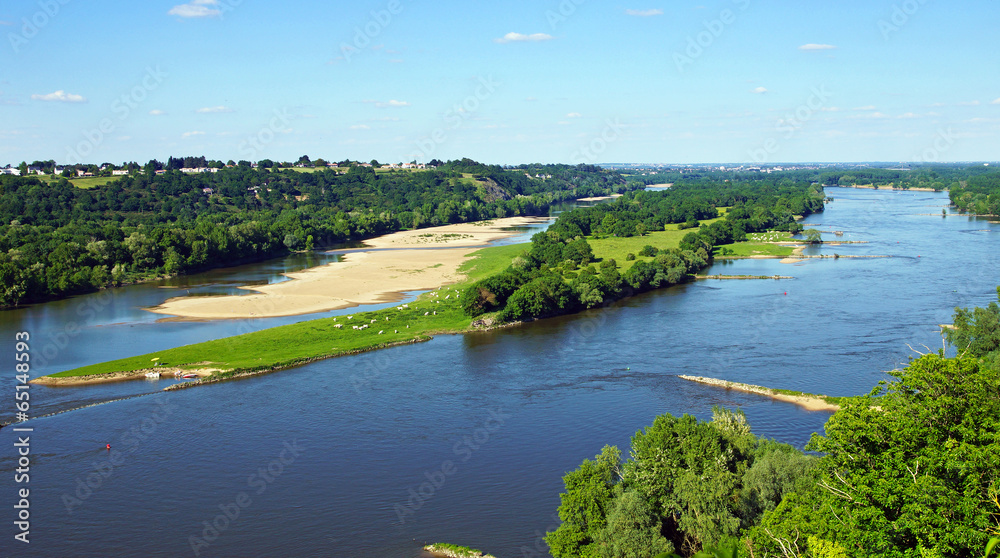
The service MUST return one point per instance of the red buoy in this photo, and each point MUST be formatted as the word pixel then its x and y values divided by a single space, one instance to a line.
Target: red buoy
pixel 109 446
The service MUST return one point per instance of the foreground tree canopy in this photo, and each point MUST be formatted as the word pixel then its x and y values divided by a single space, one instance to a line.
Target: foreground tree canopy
pixel 909 470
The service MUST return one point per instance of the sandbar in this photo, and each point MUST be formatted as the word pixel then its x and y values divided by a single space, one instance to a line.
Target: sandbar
pixel 417 260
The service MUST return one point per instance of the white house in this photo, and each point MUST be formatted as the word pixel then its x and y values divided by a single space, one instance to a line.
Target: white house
pixel 11 170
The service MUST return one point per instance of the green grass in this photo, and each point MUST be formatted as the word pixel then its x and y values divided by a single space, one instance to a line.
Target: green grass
pixel 758 244
pixel 272 348
pixel 82 183
pixel 618 248
pixel 747 249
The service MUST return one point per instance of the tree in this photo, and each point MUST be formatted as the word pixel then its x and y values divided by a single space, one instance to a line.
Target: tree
pixel 907 468
pixel 584 506
pixel 632 530
pixel 976 332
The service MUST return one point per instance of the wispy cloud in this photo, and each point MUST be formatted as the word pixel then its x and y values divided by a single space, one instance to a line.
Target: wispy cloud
pixel 196 8
pixel 6 22
pixel 192 134
pixel 815 46
pixel 361 127
pixel 644 13
pixel 574 115
pixel 759 90
pixel 995 102
pixel 969 104
pixel 157 112
pixel 522 38
pixel 392 103
pixel 60 96
pixel 214 110
pixel 864 108
pixel 907 115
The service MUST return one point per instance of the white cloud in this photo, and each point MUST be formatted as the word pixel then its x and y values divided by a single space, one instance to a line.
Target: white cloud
pixel 6 23
pixel 574 115
pixel 392 103
pixel 908 115
pixel 995 102
pixel 814 46
pixel 521 38
pixel 531 99
pixel 759 90
pixel 192 134
pixel 60 96
pixel 864 108
pixel 361 127
pixel 969 104
pixel 643 13
pixel 214 110
pixel 196 8
pixel 157 112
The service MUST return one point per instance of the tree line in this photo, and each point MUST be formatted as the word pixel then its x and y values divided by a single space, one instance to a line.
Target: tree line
pixel 909 470
pixel 556 275
pixel 57 240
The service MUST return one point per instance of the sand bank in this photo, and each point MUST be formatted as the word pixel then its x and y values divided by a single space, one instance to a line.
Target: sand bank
pixel 807 401
pixel 164 371
pixel 417 260
pixel 600 198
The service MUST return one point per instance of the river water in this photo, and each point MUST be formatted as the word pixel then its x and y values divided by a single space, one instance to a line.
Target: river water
pixel 462 439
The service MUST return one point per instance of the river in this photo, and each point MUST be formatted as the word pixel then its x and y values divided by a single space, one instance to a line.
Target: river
pixel 462 439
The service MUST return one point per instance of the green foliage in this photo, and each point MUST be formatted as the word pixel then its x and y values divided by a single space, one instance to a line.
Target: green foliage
pixel 907 468
pixel 632 530
pixel 689 485
pixel 584 506
pixel 977 332
pixel 57 240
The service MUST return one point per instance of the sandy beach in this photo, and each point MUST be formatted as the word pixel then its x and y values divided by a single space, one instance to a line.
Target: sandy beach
pixel 417 260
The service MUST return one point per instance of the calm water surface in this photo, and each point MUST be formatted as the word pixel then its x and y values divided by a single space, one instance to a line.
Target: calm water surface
pixel 324 457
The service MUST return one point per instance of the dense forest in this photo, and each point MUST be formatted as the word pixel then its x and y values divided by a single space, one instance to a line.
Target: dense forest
pixel 556 276
pixel 909 470
pixel 58 240
pixel 979 195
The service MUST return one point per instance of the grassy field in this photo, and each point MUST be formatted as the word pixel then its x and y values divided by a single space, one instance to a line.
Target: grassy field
pixel 434 312
pixel 619 248
pixel 82 183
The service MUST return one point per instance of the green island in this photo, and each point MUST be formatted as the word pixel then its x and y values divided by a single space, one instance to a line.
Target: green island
pixel 555 274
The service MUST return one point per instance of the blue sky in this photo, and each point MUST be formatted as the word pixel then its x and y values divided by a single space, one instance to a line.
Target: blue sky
pixel 502 82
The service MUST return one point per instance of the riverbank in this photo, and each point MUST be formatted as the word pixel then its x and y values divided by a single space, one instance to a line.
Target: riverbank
pixel 434 313
pixel 404 261
pixel 808 401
